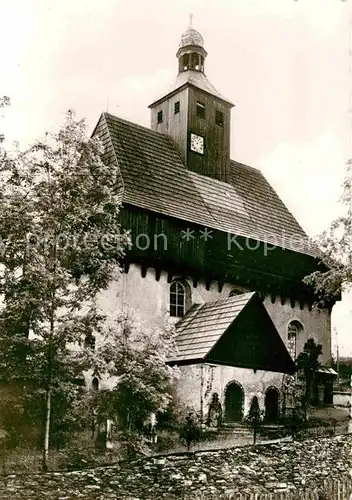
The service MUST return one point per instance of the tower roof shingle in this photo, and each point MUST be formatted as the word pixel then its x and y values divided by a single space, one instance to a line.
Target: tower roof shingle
pixel 153 177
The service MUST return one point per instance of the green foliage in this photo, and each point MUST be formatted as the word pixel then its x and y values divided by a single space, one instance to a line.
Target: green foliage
pixel 134 359
pixel 17 422
pixel 60 245
pixel 132 444
pixel 308 359
pixel 79 456
pixel 254 417
pixel 336 250
pixel 4 101
pixel 307 364
pixel 172 417
pixel 191 429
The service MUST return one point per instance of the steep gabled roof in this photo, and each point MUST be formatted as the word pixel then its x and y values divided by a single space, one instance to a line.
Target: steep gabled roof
pixel 203 325
pixel 153 177
pixel 236 331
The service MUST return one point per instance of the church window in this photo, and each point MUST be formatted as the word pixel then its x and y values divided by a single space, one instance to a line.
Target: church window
pixel 177 107
pixel 219 118
pixel 160 116
pixel 95 384
pixel 293 330
pixel 177 299
pixel 200 110
pixel 236 291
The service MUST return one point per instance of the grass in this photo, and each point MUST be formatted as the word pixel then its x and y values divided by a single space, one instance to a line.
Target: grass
pixel 28 460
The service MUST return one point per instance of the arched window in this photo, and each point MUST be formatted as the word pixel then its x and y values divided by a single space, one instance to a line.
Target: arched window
pixel 234 402
pixel 177 299
pixel 236 291
pixel 95 384
pixel 293 330
pixel 272 408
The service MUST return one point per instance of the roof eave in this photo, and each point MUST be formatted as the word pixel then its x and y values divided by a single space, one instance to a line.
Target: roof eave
pixel 183 362
pixel 183 86
pixel 289 371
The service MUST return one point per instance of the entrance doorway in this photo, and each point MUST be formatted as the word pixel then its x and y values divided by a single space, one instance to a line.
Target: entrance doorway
pixel 272 405
pixel 234 399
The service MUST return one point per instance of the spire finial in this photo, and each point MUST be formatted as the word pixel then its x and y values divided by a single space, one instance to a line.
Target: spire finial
pixel 190 20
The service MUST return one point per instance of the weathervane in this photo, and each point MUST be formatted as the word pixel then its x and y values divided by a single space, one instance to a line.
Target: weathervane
pixel 190 20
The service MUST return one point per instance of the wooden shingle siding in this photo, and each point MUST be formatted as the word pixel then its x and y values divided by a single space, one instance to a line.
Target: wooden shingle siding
pixel 236 331
pixel 155 179
pixel 279 271
pixel 214 163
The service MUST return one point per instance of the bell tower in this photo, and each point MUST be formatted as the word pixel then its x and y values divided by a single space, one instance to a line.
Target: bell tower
pixel 194 114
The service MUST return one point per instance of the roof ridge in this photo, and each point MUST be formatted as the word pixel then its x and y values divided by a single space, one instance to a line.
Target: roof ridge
pixel 233 298
pixel 156 179
pixel 136 125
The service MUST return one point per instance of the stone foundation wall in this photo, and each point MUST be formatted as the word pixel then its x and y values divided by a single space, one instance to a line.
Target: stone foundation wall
pixel 300 467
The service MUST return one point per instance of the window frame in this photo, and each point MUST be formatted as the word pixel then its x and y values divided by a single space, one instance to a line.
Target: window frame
pixel 200 110
pixel 95 384
pixel 294 328
pixel 219 118
pixel 160 116
pixel 177 299
pixel 177 107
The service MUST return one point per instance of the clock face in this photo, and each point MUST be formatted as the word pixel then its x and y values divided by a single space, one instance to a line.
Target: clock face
pixel 197 143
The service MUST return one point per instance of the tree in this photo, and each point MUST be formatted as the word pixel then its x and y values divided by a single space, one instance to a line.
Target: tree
pixel 336 252
pixel 307 364
pixel 61 245
pixel 4 103
pixel 191 429
pixel 135 360
pixel 254 418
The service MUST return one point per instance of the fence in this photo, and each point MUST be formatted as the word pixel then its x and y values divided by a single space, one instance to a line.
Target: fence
pixel 307 432
pixel 330 489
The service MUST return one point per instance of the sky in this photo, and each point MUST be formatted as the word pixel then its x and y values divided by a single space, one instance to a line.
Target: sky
pixel 286 64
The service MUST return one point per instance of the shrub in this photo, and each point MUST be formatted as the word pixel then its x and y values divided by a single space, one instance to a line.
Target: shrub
pixel 191 429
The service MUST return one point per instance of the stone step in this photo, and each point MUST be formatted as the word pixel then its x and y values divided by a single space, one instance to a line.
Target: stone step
pixel 234 430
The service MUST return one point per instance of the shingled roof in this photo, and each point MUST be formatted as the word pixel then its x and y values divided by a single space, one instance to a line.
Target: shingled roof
pixel 236 331
pixel 203 325
pixel 195 78
pixel 153 177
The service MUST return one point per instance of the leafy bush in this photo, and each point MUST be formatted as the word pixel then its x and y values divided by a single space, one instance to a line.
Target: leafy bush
pixel 132 445
pixel 254 417
pixel 78 458
pixel 191 429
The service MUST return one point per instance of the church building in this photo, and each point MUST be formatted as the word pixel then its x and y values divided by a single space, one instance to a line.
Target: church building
pixel 214 249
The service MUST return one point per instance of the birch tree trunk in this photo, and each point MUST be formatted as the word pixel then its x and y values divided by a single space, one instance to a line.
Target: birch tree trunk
pixel 45 463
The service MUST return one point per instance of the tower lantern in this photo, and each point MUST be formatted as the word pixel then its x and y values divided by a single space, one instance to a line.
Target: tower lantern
pixel 194 114
pixel 191 53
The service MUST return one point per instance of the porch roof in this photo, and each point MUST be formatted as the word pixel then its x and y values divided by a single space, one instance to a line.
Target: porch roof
pixel 236 331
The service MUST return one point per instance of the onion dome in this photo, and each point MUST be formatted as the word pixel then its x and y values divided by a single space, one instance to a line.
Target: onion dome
pixel 191 53
pixel 191 37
